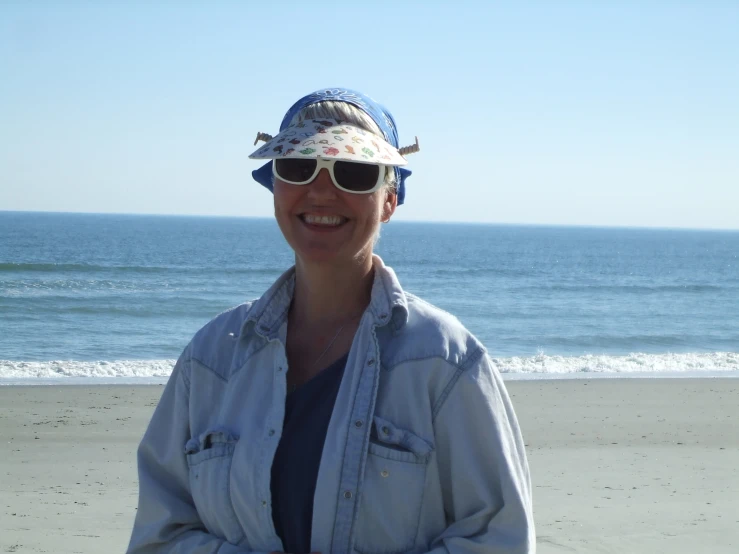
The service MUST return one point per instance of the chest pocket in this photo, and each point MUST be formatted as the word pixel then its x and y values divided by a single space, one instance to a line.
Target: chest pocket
pixel 392 491
pixel 209 458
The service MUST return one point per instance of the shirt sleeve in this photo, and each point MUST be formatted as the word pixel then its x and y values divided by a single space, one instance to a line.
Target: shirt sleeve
pixel 167 520
pixel 486 485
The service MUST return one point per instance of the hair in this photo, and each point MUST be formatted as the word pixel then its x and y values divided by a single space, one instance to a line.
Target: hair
pixel 349 113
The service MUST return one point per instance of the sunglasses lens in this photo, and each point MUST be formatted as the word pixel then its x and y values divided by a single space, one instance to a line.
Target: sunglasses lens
pixel 355 176
pixel 295 170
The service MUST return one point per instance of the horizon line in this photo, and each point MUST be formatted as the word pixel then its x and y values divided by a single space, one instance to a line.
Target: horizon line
pixel 414 221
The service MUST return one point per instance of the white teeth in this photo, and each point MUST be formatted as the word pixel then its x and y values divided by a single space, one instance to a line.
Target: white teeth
pixel 323 220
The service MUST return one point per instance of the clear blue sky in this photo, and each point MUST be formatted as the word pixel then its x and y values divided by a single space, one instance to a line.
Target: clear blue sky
pixel 584 113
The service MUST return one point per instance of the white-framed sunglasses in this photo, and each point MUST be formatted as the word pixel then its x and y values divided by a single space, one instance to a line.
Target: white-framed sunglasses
pixel 353 177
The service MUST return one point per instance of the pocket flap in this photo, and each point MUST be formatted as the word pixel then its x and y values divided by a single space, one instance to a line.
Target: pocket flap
pixel 389 434
pixel 210 439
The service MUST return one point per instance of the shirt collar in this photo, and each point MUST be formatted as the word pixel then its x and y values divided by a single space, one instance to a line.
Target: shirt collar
pixel 388 304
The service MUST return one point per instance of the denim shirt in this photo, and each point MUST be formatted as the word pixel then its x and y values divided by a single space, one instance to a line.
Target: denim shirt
pixel 423 451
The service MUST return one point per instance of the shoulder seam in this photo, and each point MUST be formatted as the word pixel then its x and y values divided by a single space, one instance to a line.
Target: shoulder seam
pixel 210 369
pixel 185 375
pixel 421 358
pixel 461 368
pixel 243 363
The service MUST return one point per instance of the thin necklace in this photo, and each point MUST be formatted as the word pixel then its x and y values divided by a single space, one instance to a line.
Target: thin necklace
pixel 294 386
pixel 330 344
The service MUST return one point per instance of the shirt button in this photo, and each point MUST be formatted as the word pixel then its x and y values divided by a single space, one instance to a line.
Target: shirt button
pixel 386 430
pixel 264 502
pixel 271 432
pixel 358 423
pixel 371 361
pixel 347 494
pixel 279 369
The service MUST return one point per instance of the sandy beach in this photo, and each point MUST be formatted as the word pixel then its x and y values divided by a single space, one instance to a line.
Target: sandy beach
pixel 619 465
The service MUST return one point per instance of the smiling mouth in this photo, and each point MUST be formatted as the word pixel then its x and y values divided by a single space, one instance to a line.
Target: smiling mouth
pixel 325 221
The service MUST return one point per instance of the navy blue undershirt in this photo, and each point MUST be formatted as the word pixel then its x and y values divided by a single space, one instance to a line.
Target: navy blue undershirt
pixel 295 467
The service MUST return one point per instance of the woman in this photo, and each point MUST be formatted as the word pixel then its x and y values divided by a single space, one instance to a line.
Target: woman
pixel 336 413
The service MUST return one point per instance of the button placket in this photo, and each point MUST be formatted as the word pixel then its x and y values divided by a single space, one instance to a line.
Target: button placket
pixel 350 471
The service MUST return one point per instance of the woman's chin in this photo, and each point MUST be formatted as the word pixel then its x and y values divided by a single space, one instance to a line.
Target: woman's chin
pixel 323 254
pixel 318 252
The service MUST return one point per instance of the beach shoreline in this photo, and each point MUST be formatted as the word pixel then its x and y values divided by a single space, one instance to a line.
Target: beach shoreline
pixel 508 376
pixel 618 465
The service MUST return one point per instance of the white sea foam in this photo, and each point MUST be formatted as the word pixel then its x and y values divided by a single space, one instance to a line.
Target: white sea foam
pixel 636 363
pixel 541 366
pixel 91 372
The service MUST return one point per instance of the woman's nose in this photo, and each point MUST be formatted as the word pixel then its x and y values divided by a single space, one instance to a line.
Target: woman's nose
pixel 322 184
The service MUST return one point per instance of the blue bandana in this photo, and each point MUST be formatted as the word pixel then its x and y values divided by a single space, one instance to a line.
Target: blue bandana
pixel 379 115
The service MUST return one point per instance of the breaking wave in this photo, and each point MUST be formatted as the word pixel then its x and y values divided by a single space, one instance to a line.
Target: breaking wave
pixel 541 366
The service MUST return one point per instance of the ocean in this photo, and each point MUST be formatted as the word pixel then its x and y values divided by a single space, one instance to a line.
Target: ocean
pixel 88 298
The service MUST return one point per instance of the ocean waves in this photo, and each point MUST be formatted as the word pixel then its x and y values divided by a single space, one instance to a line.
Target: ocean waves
pixel 102 287
pixel 66 268
pixel 59 370
pixel 540 366
pixel 641 363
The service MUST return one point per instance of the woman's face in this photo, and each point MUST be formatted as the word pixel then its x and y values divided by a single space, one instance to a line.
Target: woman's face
pixel 324 224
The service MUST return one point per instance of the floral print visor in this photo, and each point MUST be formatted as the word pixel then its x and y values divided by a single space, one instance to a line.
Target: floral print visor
pixel 331 139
